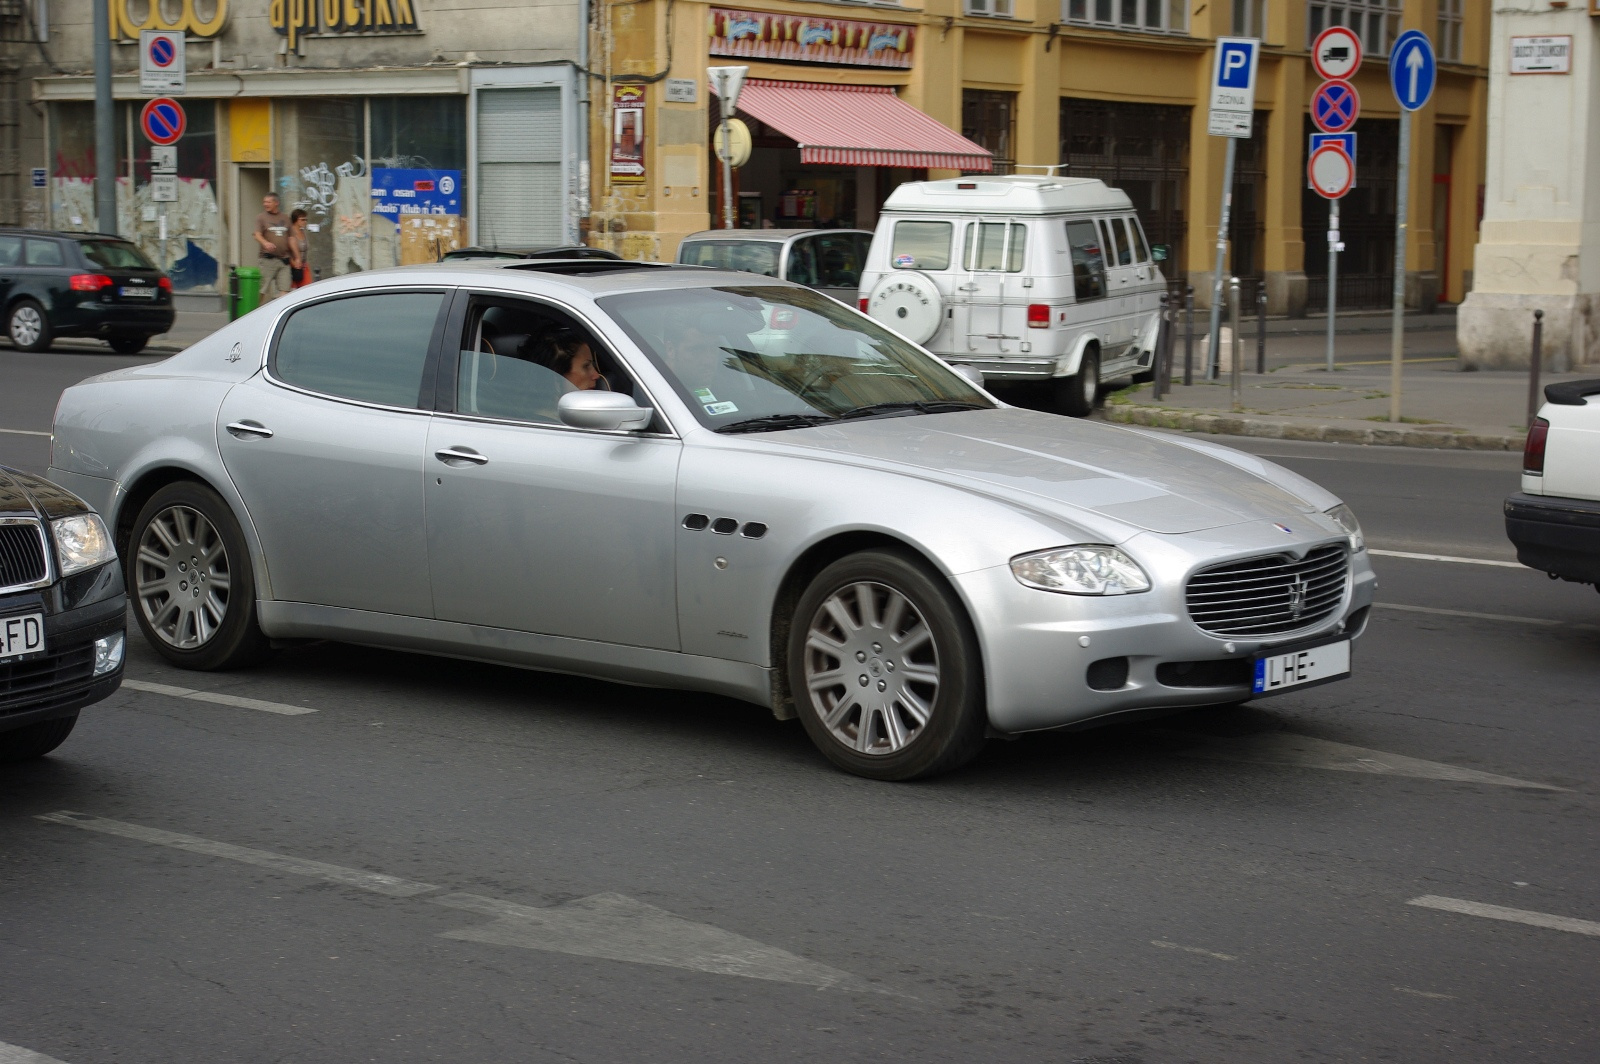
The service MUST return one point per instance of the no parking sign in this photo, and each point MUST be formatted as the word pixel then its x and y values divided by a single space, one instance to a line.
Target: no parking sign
pixel 162 70
pixel 163 121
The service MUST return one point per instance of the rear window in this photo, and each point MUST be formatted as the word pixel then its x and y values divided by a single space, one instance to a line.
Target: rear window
pixel 372 348
pixel 921 245
pixel 989 252
pixel 115 255
pixel 744 256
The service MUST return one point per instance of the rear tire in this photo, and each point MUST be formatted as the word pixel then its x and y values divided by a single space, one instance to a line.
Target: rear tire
pixel 885 669
pixel 29 326
pixel 35 740
pixel 1076 395
pixel 190 578
pixel 128 345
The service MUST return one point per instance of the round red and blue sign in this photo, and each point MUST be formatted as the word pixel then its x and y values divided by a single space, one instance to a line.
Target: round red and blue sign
pixel 1335 106
pixel 162 51
pixel 163 120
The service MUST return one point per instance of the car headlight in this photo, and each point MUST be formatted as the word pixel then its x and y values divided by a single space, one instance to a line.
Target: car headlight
pixel 82 542
pixel 1082 570
pixel 1345 518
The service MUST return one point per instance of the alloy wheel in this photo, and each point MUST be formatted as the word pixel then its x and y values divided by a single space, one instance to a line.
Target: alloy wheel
pixel 871 668
pixel 26 325
pixel 182 578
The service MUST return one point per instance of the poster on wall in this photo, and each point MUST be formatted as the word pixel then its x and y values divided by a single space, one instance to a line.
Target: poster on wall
pixel 425 207
pixel 795 39
pixel 627 135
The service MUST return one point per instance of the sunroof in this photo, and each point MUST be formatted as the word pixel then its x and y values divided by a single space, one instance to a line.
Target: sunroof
pixel 584 266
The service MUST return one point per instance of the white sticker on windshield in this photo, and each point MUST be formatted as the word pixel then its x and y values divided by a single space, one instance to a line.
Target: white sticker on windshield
pixel 721 408
pixel 704 395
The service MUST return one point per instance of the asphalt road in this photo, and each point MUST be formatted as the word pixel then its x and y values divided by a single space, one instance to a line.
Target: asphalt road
pixel 462 863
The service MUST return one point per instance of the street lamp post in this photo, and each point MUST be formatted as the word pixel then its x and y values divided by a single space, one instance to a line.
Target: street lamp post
pixel 728 81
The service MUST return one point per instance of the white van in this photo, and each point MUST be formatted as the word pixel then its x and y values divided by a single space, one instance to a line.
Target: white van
pixel 1021 277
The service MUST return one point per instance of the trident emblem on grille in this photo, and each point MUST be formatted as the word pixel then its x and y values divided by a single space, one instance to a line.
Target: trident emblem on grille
pixel 1297 597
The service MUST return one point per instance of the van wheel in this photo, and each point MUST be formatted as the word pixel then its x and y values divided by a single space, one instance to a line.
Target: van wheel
pixel 1075 396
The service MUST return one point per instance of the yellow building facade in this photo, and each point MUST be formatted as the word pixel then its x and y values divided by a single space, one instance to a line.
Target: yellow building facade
pixel 1115 89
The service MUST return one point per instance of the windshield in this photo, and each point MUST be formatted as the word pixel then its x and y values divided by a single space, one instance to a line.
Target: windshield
pixel 743 256
pixel 115 255
pixel 762 358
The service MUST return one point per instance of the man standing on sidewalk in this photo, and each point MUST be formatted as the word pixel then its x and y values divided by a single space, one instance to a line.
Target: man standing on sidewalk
pixel 272 233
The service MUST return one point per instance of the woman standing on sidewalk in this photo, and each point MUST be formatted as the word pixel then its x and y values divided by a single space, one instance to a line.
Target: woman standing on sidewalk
pixel 299 266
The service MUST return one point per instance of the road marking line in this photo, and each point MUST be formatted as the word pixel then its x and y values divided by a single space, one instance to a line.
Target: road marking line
pixel 22 432
pixel 1500 912
pixel 1542 621
pixel 1426 994
pixel 1445 558
pixel 619 928
pixel 10 1054
pixel 1191 949
pixel 1303 751
pixel 217 697
pixel 377 882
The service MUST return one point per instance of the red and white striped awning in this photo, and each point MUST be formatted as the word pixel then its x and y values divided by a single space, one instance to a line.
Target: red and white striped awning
pixel 858 125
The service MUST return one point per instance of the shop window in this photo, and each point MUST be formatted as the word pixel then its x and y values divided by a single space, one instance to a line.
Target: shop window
pixel 319 166
pixel 989 118
pixel 193 247
pixel 1376 22
pixel 1449 33
pixel 986 247
pixel 1140 16
pixel 921 245
pixel 1088 263
pixel 72 166
pixel 369 348
pixel 418 170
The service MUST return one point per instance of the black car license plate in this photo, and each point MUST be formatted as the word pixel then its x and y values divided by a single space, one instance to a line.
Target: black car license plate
pixel 137 292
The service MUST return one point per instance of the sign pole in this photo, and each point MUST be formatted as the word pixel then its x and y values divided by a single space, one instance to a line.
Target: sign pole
pixel 1333 273
pixel 1397 324
pixel 725 152
pixel 1213 353
pixel 105 128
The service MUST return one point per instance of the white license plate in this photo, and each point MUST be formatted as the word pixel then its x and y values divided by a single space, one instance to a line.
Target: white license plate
pixel 21 634
pixel 138 293
pixel 1280 670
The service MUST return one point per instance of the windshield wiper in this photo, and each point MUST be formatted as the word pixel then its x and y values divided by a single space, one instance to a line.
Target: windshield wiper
pixel 916 406
pixel 773 422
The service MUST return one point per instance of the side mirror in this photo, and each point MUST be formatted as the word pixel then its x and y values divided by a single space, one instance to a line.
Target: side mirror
pixel 970 374
pixel 1160 252
pixel 608 411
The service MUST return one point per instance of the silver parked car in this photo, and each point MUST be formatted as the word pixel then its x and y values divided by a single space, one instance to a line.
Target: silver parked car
pixel 692 478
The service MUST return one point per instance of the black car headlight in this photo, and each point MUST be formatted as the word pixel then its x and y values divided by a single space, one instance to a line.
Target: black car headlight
pixel 82 542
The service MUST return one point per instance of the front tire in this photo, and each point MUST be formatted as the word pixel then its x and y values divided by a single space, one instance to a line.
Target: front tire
pixel 35 740
pixel 885 670
pixel 1076 395
pixel 189 574
pixel 29 326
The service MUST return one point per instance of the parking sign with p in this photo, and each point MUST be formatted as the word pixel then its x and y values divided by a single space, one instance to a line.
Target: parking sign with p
pixel 1233 86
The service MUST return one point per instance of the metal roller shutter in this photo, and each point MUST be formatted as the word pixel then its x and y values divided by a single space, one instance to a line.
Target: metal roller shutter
pixel 521 190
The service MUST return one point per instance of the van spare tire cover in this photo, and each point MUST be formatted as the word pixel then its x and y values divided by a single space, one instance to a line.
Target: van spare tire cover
pixel 907 302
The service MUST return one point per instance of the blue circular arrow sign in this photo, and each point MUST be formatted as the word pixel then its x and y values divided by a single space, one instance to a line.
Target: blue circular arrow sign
pixel 1335 106
pixel 1413 70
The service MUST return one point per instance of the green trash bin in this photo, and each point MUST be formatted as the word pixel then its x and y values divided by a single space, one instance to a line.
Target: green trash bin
pixel 249 293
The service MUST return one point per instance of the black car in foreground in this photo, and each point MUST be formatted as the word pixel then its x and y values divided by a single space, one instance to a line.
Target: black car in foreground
pixel 62 614
pixel 83 285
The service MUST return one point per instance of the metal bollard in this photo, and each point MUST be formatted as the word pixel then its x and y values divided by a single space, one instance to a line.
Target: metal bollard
pixel 1261 329
pixel 1188 339
pixel 1168 342
pixel 1155 356
pixel 1535 364
pixel 1233 322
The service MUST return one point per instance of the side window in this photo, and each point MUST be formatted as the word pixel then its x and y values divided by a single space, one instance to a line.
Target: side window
pixel 44 252
pixel 1116 244
pixel 519 358
pixel 1088 263
pixel 921 245
pixel 839 259
pixel 10 250
pixel 372 348
pixel 1141 250
pixel 802 265
pixel 990 249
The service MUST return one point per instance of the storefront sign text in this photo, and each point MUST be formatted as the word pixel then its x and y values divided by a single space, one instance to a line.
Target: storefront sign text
pixel 298 18
pixel 399 190
pixel 627 135
pixel 761 35
pixel 198 18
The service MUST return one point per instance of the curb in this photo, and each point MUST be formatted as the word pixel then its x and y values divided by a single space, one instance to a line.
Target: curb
pixel 1381 435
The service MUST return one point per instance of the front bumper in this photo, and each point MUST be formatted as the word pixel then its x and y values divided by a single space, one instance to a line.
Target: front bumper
pixel 1038 673
pixel 77 611
pixel 1556 535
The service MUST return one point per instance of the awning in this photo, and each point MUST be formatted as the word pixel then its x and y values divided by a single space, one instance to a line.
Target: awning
pixel 858 125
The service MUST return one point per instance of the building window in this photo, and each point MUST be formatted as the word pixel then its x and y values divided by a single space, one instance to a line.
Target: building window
pixel 1376 22
pixel 1142 16
pixel 1449 37
pixel 990 119
pixel 1250 18
pixel 992 8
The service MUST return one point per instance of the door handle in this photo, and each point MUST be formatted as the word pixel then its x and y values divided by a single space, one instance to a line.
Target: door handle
pixel 460 456
pixel 250 430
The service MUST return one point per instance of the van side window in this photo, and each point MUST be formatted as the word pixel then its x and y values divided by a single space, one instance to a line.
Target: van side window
pixel 1117 253
pixel 921 245
pixel 986 246
pixel 1141 250
pixel 1088 264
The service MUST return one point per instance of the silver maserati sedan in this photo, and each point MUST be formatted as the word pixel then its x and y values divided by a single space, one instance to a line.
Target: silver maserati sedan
pixel 682 477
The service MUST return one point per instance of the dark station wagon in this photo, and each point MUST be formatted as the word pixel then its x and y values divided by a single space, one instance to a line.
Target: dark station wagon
pixel 81 285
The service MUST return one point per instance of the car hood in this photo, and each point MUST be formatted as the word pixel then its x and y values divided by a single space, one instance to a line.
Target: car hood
pixel 1068 466
pixel 27 495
